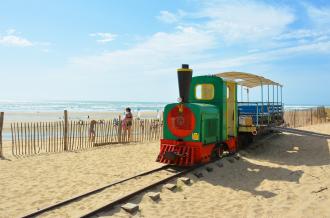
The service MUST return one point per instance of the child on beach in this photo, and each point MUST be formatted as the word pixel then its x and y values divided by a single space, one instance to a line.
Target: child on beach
pixel 127 123
pixel 92 131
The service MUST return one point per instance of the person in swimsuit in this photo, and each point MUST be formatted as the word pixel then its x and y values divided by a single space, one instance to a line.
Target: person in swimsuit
pixel 92 131
pixel 127 123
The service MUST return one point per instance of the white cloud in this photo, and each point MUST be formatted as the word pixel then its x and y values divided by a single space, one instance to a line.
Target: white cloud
pixel 235 21
pixel 160 50
pixel 265 56
pixel 298 34
pixel 104 37
pixel 319 15
pixel 203 44
pixel 167 17
pixel 12 40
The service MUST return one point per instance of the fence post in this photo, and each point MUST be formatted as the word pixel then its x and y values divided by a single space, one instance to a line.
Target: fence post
pixel 294 119
pixel 119 129
pixel 65 130
pixel 1 127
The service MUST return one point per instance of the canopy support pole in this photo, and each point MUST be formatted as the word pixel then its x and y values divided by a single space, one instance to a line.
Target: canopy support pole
pixel 242 93
pixel 268 102
pixel 282 109
pixel 281 95
pixel 262 102
pixel 273 111
pixel 278 109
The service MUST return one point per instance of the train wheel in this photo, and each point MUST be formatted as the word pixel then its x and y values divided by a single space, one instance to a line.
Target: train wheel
pixel 244 140
pixel 217 152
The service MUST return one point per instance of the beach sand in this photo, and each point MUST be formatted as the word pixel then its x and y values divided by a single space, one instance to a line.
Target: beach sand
pixel 286 175
pixel 38 181
pixel 320 128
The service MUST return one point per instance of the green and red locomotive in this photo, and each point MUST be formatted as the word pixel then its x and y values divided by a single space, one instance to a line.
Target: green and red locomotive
pixel 205 121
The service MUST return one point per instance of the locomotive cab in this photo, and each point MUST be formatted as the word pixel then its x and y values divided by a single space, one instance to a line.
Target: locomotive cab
pixel 212 90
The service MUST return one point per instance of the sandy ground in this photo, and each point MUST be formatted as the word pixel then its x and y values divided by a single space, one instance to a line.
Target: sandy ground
pixel 320 128
pixel 285 176
pixel 35 182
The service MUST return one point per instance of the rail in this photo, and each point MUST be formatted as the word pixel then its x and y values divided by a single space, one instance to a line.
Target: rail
pixel 301 132
pixel 76 198
pixel 122 199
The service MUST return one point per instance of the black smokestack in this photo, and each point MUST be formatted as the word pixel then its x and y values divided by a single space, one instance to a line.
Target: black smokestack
pixel 184 78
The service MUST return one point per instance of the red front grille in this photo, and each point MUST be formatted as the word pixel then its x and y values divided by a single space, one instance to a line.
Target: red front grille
pixel 185 155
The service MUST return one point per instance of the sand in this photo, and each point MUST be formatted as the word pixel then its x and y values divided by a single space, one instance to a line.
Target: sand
pixel 320 128
pixel 287 175
pixel 38 181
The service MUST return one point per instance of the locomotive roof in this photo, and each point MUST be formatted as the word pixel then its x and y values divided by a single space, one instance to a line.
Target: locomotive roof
pixel 246 79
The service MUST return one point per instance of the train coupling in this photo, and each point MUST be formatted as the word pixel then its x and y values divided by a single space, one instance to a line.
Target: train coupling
pixel 172 156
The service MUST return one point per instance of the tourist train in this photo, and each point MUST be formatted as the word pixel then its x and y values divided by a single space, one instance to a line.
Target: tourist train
pixel 208 120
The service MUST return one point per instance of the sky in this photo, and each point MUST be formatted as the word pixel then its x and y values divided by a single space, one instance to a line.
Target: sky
pixel 129 50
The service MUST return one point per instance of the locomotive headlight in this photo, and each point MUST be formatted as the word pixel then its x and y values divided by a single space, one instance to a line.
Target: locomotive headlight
pixel 179 121
pixel 179 100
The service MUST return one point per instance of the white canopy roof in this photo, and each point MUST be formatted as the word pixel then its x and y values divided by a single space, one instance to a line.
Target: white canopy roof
pixel 246 79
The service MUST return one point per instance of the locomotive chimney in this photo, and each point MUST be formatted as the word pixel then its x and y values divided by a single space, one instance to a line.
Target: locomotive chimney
pixel 184 78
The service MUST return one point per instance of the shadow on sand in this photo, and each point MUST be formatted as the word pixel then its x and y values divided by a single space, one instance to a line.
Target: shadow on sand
pixel 266 161
pixel 291 149
pixel 281 149
pixel 243 175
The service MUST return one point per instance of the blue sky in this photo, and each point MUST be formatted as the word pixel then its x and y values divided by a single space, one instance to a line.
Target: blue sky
pixel 129 50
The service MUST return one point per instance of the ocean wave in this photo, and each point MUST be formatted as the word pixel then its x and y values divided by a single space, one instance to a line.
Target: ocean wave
pixel 79 106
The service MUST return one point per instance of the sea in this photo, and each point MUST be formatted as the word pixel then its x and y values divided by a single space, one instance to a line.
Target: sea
pixel 78 106
pixel 95 106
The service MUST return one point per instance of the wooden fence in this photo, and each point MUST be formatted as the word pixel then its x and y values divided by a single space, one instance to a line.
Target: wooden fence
pixel 305 117
pixel 50 137
pixel 1 127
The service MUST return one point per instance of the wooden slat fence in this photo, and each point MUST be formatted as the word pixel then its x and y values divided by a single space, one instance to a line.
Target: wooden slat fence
pixel 38 137
pixel 305 117
pixel 1 128
pixel 33 138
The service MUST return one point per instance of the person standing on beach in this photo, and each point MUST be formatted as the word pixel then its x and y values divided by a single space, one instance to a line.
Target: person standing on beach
pixel 92 131
pixel 127 123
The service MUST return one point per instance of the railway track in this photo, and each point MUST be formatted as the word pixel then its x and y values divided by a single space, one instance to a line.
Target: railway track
pixel 114 194
pixel 90 193
pixel 123 199
pixel 301 132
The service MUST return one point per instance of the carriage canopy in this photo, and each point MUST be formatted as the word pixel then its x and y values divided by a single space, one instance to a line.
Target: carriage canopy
pixel 247 79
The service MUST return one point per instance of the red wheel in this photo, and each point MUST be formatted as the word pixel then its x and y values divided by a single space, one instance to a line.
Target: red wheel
pixel 217 152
